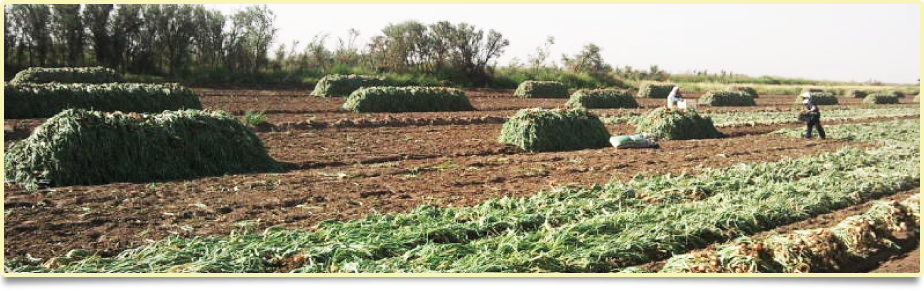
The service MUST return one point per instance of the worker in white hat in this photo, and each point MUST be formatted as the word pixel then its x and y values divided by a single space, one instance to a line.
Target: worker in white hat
pixel 674 97
pixel 812 116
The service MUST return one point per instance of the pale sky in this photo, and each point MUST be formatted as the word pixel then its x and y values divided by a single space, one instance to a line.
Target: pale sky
pixel 826 42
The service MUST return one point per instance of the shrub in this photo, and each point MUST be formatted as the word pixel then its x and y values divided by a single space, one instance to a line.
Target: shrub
pixel 727 98
pixel 344 85
pixel 820 98
pixel 853 93
pixel 91 75
pixel 541 130
pixel 748 90
pixel 880 99
pixel 407 99
pixel 655 90
pixel 46 100
pixel 673 124
pixel 255 118
pixel 541 89
pixel 602 98
pixel 80 147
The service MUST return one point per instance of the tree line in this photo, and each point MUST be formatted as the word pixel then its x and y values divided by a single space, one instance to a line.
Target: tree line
pixel 192 42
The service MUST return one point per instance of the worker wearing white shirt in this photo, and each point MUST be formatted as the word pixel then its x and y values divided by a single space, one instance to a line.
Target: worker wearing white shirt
pixel 674 97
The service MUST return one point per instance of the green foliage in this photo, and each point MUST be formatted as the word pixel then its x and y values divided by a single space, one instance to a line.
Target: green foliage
pixel 407 99
pixel 254 118
pixel 602 98
pixel 654 90
pixel 79 147
pixel 541 89
pixel 854 93
pixel 820 98
pixel 344 85
pixel 674 124
pixel 727 98
pixel 878 98
pixel 750 91
pixel 91 75
pixel 46 100
pixel 896 94
pixel 541 130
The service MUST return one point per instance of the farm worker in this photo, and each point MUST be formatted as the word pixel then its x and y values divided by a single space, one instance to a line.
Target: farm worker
pixel 814 116
pixel 674 97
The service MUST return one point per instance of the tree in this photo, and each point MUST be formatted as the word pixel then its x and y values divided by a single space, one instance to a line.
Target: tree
pixel 68 32
pixel 588 61
pixel 537 61
pixel 96 17
pixel 126 25
pixel 252 33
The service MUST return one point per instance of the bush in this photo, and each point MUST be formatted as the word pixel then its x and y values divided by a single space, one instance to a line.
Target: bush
pixel 820 98
pixel 407 99
pixel 91 75
pixel 727 98
pixel 541 89
pixel 747 90
pixel 602 98
pixel 655 90
pixel 80 147
pixel 673 124
pixel 344 85
pixel 541 130
pixel 880 99
pixel 46 100
pixel 855 93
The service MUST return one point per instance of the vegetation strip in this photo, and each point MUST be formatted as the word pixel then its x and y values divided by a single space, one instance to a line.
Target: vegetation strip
pixel 599 229
pixel 92 75
pixel 46 100
pixel 804 251
pixel 749 118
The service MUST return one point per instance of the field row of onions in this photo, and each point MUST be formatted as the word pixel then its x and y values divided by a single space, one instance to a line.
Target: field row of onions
pixel 827 249
pixel 747 118
pixel 598 229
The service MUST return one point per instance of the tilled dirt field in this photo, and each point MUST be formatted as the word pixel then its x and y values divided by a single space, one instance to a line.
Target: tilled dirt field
pixel 345 173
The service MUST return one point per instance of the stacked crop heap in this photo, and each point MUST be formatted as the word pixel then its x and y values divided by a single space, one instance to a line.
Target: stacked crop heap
pixel 880 99
pixel 541 130
pixel 344 85
pixel 654 90
pixel 46 100
pixel 727 98
pixel 673 124
pixel 79 147
pixel 820 98
pixel 853 93
pixel 747 90
pixel 91 75
pixel 601 98
pixel 541 89
pixel 896 94
pixel 407 99
pixel 916 98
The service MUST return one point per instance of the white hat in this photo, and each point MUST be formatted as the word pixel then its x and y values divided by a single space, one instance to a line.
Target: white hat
pixel 806 95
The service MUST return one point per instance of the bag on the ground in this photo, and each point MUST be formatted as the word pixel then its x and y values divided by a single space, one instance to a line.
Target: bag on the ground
pixel 635 141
